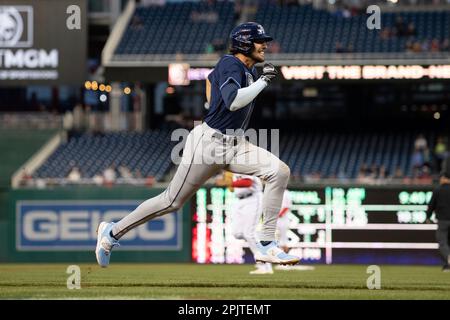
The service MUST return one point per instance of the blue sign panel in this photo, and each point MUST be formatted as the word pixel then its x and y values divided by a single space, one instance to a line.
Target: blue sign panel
pixel 72 225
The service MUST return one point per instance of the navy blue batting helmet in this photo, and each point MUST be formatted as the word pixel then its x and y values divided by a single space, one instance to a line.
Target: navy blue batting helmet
pixel 244 35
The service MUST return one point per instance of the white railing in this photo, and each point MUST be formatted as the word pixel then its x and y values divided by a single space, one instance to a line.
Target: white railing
pixel 102 121
pixel 361 58
pixel 42 183
pixel 30 120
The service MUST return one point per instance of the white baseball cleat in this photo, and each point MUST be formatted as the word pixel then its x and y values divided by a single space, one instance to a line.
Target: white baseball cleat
pixel 273 254
pixel 105 243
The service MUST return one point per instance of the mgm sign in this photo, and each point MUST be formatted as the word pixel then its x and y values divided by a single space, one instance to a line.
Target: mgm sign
pixel 36 46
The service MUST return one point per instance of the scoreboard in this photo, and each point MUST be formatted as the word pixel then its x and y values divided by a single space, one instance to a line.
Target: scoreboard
pixel 328 225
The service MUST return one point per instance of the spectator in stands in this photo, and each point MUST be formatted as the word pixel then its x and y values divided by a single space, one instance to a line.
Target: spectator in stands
pixel 68 120
pixel 313 177
pixel 346 13
pixel 440 152
pixel 417 160
pixel 409 46
pixel 125 172
pixel 385 33
pixel 398 176
pixel 400 27
pixel 414 179
pixel 445 46
pixel 149 181
pixel 383 174
pixel 109 175
pixel 425 175
pixel 78 117
pixel 426 157
pixel 373 174
pixel 97 179
pixel 138 174
pixel 362 173
pixel 420 143
pixel 416 47
pixel 339 48
pixel 435 46
pixel 296 177
pixel 425 46
pixel 342 176
pixel 74 175
pixel 411 31
pixel 26 178
pixel 274 47
pixel 367 174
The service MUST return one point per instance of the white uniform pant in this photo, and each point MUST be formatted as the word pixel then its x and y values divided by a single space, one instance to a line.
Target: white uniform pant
pixel 245 216
pixel 282 230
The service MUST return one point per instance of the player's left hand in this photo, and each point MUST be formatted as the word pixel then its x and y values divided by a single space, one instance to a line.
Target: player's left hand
pixel 269 72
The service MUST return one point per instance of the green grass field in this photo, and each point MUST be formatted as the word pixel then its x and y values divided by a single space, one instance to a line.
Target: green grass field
pixel 191 281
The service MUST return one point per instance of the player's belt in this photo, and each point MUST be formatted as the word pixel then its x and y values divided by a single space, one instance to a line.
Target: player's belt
pixel 243 196
pixel 226 139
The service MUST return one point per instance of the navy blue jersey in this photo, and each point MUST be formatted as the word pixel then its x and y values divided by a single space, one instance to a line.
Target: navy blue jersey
pixel 229 73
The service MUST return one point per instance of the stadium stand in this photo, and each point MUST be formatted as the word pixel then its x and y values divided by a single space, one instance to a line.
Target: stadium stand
pixel 332 153
pixel 329 154
pixel 148 153
pixel 318 31
pixel 190 27
pixel 297 29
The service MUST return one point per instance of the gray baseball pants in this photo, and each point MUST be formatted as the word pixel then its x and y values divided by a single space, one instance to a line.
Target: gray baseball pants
pixel 205 154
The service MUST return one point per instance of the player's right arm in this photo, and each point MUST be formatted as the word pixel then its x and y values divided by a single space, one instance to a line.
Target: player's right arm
pixel 236 97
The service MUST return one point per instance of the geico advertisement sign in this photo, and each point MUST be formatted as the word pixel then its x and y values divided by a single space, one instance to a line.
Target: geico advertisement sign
pixel 71 225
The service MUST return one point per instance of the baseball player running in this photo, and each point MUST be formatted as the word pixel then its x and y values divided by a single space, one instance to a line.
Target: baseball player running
pixel 219 144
